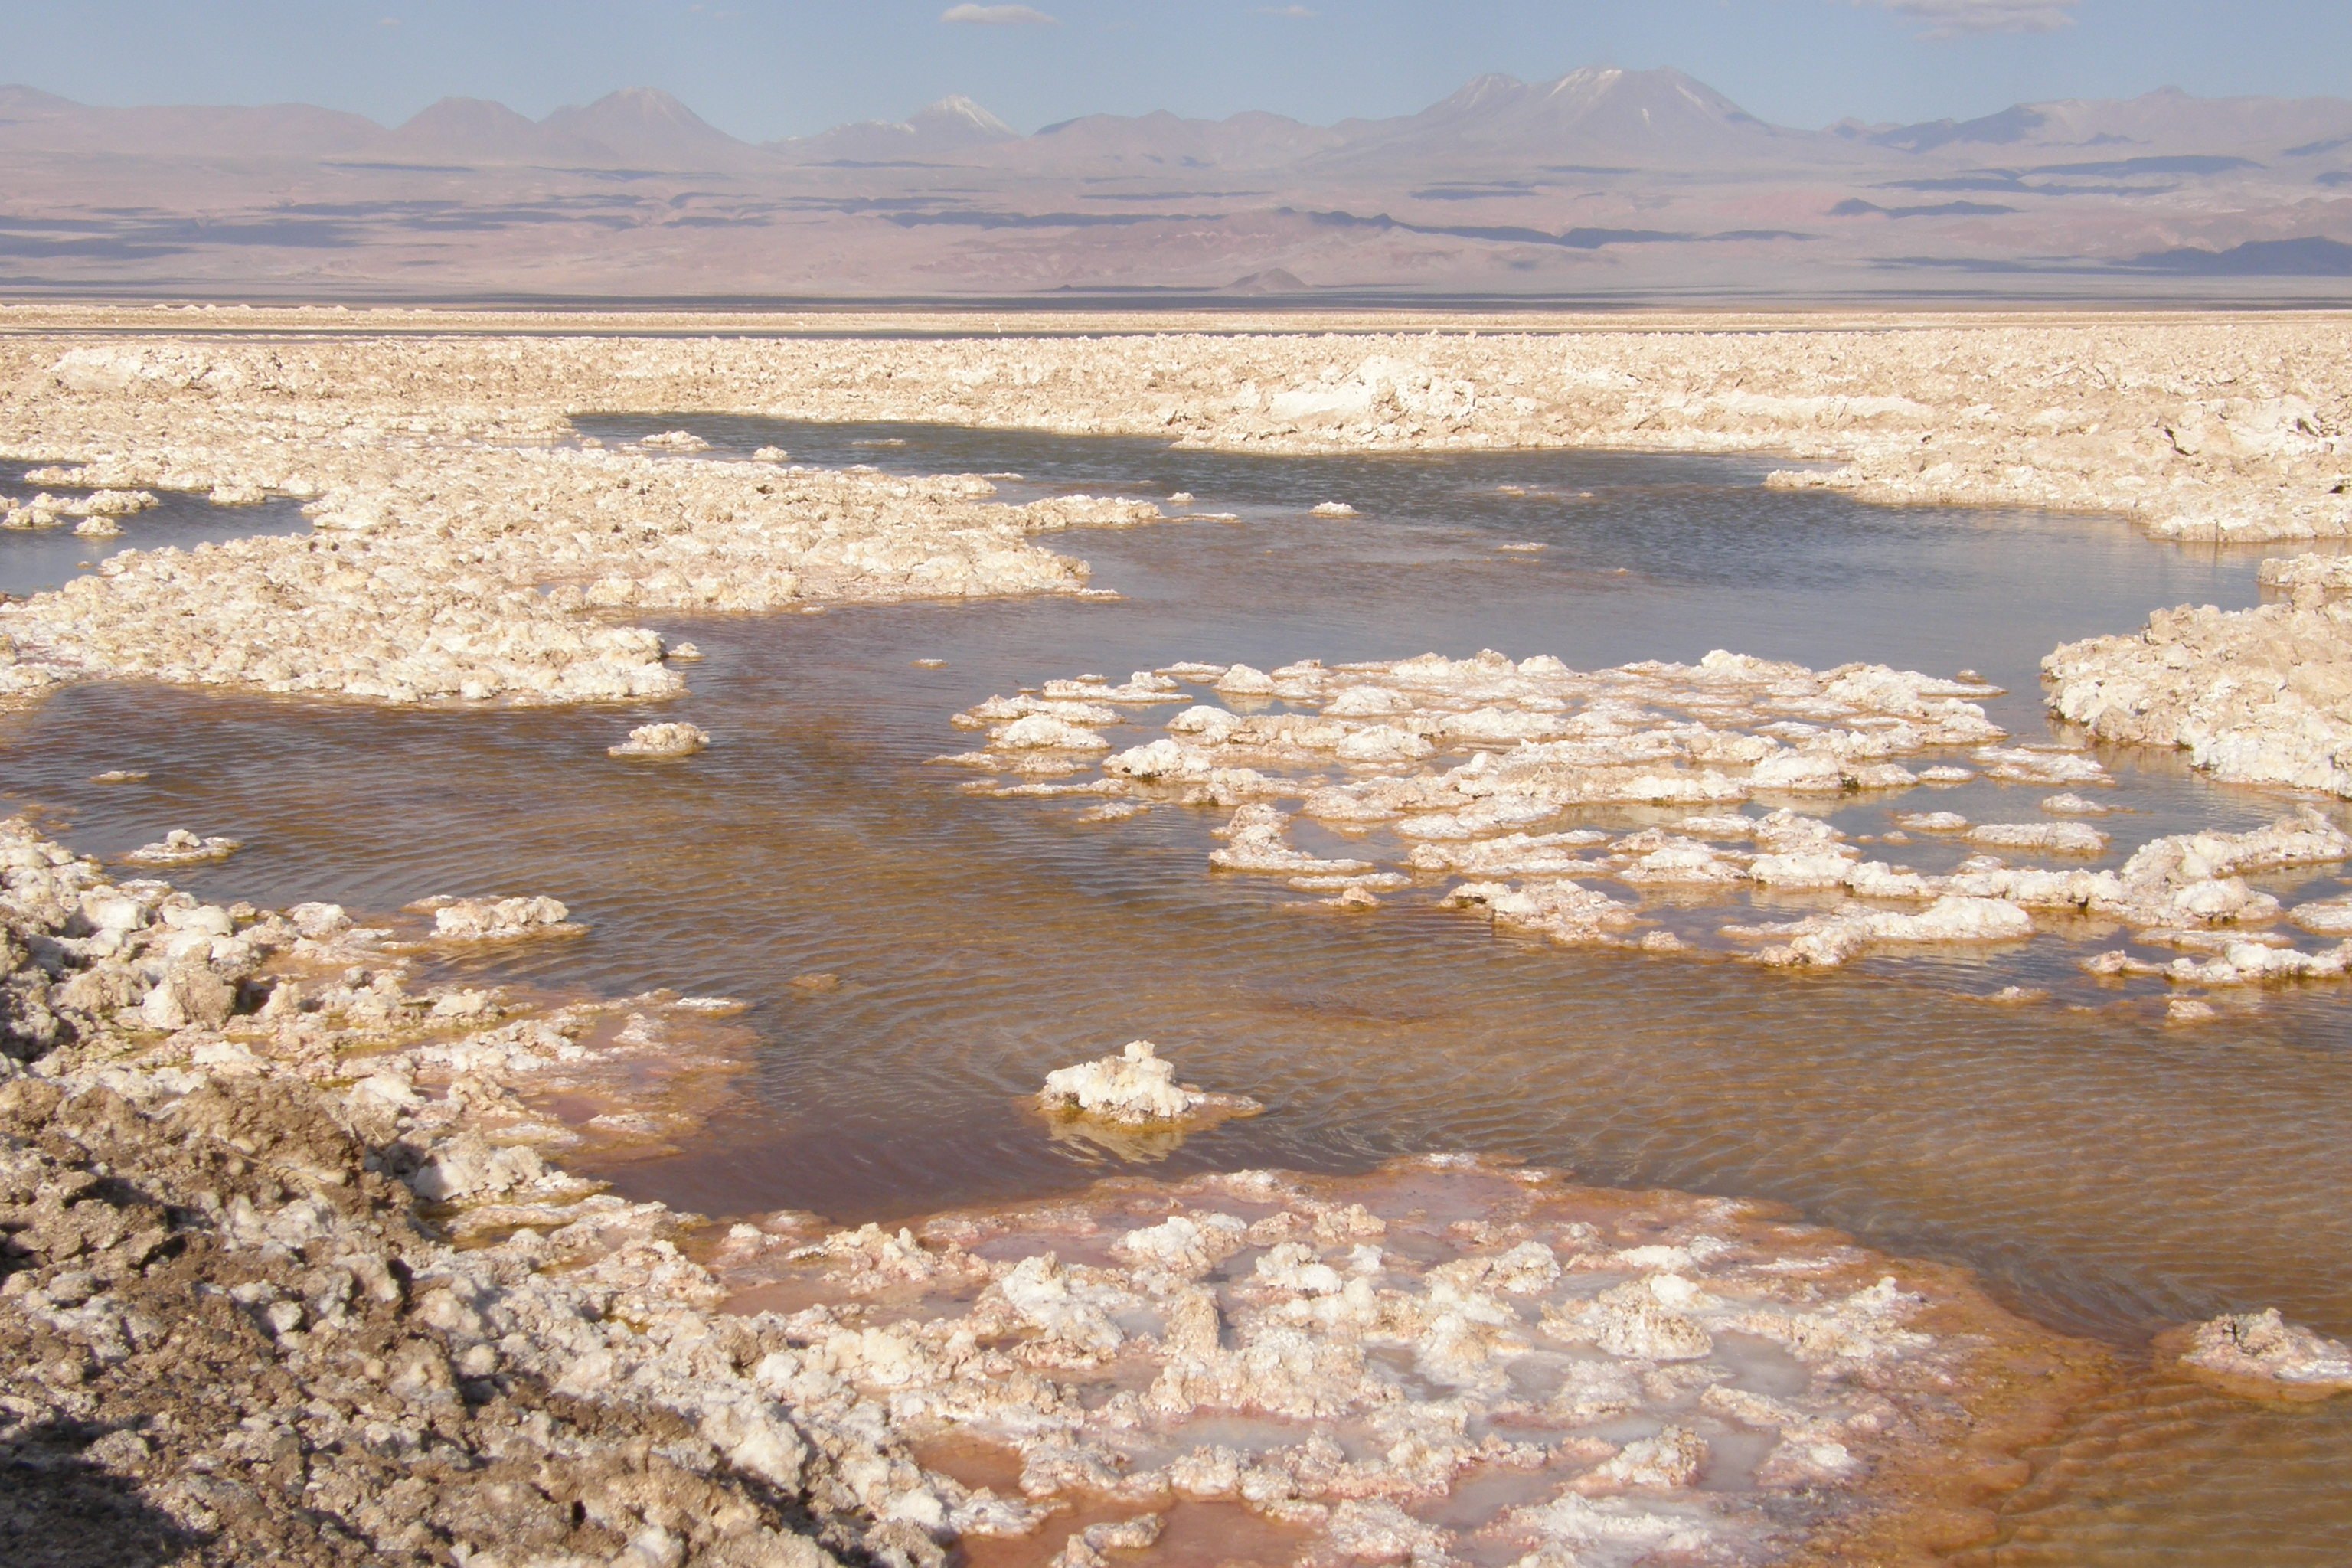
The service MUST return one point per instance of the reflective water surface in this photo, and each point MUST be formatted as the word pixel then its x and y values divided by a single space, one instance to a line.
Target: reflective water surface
pixel 33 560
pixel 2105 1172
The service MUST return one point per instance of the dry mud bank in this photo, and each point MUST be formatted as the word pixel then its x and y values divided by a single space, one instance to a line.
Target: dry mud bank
pixel 285 1274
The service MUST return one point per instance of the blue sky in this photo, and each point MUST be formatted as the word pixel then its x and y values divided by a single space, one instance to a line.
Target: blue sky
pixel 763 69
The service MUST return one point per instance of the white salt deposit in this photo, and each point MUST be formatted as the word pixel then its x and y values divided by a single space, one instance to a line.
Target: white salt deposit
pixel 671 740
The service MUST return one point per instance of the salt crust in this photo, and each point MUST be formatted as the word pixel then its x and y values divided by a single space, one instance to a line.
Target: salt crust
pixel 1319 1353
pixel 267 1102
pixel 1136 1087
pixel 181 848
pixel 2263 1354
pixel 2199 428
pixel 2261 696
pixel 1335 1356
pixel 674 739
pixel 463 564
pixel 496 920
pixel 1475 769
pixel 449 563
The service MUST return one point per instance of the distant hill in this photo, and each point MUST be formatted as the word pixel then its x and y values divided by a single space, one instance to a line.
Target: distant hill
pixel 939 130
pixel 1600 183
pixel 644 126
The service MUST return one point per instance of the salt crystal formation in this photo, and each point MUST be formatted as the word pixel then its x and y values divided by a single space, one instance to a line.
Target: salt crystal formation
pixel 2202 429
pixel 677 740
pixel 467 555
pixel 1474 773
pixel 218 1127
pixel 498 919
pixel 458 555
pixel 2263 1354
pixel 181 848
pixel 2260 696
pixel 1642 1378
pixel 1137 1088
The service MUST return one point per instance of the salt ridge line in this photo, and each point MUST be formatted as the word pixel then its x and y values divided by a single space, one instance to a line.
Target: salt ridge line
pixel 1475 769
pixel 2197 429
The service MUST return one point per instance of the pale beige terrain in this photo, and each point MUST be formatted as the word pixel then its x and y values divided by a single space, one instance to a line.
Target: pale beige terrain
pixel 464 551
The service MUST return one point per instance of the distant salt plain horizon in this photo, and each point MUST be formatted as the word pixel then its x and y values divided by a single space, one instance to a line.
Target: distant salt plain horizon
pixel 769 69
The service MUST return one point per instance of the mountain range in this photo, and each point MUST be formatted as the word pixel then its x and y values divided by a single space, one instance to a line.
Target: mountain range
pixel 1602 184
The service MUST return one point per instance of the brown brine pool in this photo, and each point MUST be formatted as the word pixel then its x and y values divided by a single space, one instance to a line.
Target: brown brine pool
pixel 2103 1170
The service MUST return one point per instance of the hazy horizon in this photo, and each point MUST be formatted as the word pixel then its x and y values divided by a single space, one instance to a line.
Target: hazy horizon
pixel 767 71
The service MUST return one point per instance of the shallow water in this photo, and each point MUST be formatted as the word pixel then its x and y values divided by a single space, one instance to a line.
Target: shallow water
pixel 35 560
pixel 2104 1171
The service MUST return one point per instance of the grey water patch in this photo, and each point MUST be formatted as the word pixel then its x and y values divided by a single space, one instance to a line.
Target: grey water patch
pixel 34 560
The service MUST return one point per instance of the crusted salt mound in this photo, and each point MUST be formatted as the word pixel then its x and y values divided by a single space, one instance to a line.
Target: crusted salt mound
pixel 1832 939
pixel 2052 837
pixel 1444 1361
pixel 2327 917
pixel 1137 1088
pixel 438 570
pixel 498 920
pixel 2072 804
pixel 1427 768
pixel 181 848
pixel 2263 1355
pixel 674 739
pixel 2331 575
pixel 2260 696
pixel 675 441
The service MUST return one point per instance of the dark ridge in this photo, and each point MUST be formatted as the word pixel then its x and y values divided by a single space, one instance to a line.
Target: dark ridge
pixel 2312 256
pixel 2014 123
pixel 2185 163
pixel 1856 206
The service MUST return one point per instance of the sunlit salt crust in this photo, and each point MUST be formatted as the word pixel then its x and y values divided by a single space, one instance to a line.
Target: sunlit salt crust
pixel 2199 428
pixel 1136 1087
pixel 447 564
pixel 181 848
pixel 1587 1376
pixel 497 920
pixel 672 739
pixel 1467 778
pixel 468 564
pixel 2262 1356
pixel 2260 696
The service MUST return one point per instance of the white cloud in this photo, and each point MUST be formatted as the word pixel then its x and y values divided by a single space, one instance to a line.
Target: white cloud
pixel 996 15
pixel 1951 18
